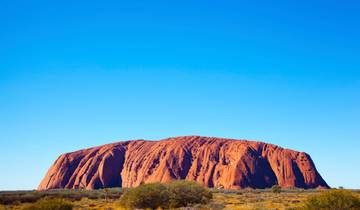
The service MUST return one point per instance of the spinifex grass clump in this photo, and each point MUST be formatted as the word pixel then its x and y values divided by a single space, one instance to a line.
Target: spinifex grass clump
pixel 333 200
pixel 172 195
pixel 50 204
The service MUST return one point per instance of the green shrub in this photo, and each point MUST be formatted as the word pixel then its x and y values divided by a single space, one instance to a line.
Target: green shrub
pixel 276 189
pixel 333 200
pixel 173 195
pixel 146 196
pixel 184 193
pixel 50 204
pixel 17 197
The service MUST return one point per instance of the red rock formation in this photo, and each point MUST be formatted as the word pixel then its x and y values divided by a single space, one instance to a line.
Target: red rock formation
pixel 213 162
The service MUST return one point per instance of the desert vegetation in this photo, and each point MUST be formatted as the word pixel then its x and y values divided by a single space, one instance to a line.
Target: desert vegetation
pixel 50 204
pixel 276 189
pixel 145 196
pixel 333 200
pixel 173 195
pixel 177 194
pixel 18 197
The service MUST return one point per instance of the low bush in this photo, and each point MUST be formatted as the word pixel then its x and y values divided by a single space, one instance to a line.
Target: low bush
pixel 7 198
pixel 17 197
pixel 146 196
pixel 184 193
pixel 333 200
pixel 173 195
pixel 50 204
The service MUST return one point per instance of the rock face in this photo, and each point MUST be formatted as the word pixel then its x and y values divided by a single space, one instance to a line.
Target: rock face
pixel 213 162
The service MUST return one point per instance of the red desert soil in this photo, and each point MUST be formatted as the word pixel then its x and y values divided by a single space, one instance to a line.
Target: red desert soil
pixel 213 162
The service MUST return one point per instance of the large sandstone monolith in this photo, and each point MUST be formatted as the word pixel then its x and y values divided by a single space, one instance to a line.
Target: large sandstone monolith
pixel 213 162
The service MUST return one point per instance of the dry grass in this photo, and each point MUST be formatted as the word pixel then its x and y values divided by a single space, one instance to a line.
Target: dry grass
pixel 227 200
pixel 263 199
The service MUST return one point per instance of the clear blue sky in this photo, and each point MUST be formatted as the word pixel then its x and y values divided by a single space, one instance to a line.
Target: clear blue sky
pixel 76 74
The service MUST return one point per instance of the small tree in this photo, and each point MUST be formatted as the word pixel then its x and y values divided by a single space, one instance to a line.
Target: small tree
pixel 106 192
pixel 276 189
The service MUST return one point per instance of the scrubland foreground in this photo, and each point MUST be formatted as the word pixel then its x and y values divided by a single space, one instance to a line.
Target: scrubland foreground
pixel 178 195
